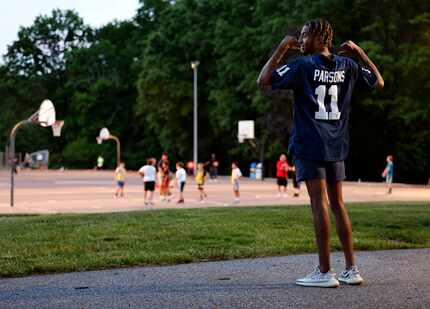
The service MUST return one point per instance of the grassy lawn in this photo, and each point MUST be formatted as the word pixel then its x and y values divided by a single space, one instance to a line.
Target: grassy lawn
pixel 59 243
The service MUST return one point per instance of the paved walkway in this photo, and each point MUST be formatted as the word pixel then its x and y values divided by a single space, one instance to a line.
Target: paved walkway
pixel 394 279
pixel 92 192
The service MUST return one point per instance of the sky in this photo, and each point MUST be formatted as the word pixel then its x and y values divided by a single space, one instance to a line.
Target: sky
pixel 17 13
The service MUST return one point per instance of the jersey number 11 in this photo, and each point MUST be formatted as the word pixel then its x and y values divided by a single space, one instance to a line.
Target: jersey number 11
pixel 322 113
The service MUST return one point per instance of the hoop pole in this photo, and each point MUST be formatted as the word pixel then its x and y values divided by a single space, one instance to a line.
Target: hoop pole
pixel 118 148
pixel 12 159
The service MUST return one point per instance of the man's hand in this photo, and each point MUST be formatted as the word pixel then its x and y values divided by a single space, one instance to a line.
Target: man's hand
pixel 349 47
pixel 264 79
pixel 290 42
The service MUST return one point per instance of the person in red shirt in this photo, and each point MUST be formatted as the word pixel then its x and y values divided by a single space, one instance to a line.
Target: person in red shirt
pixel 282 174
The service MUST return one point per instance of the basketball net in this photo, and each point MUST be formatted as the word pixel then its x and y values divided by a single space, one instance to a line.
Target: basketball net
pixel 56 128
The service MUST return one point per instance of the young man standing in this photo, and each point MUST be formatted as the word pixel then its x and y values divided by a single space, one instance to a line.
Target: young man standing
pixel 322 83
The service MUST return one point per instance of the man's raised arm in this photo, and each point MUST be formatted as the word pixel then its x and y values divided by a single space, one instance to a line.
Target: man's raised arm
pixel 264 79
pixel 350 46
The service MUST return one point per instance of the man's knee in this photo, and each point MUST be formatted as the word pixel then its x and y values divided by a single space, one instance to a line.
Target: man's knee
pixel 337 205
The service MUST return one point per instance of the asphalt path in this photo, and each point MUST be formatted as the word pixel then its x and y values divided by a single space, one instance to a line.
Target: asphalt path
pixel 393 279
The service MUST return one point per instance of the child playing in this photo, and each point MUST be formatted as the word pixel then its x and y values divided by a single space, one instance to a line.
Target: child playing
pixel 296 184
pixel 165 182
pixel 388 173
pixel 181 178
pixel 322 83
pixel 120 174
pixel 200 181
pixel 149 175
pixel 235 176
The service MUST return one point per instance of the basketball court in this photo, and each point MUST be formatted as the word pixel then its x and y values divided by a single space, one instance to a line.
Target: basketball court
pixel 88 191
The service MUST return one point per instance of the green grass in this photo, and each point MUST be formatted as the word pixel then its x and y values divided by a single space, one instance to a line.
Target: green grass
pixel 60 243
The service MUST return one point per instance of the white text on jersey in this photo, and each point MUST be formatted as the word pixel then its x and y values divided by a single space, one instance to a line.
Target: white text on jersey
pixel 324 76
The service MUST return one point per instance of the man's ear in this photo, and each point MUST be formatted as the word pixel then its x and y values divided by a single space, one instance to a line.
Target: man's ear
pixel 318 41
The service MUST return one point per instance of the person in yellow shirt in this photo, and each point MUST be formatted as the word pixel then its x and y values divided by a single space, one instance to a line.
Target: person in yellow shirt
pixel 120 174
pixel 200 181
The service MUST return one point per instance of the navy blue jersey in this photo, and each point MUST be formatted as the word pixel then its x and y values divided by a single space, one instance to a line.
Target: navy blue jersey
pixel 322 94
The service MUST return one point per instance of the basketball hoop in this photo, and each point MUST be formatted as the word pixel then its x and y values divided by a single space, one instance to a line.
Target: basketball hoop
pixel 56 127
pixel 245 130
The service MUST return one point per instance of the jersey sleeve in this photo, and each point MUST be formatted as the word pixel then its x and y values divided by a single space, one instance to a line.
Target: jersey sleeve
pixel 366 78
pixel 286 76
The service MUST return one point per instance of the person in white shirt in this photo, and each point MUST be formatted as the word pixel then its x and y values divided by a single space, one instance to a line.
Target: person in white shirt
pixel 235 176
pixel 181 178
pixel 149 176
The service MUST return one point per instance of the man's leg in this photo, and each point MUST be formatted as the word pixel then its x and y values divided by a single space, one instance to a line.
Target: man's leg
pixel 317 192
pixel 343 224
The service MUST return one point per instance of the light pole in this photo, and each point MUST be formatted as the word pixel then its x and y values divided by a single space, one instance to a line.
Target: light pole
pixel 194 65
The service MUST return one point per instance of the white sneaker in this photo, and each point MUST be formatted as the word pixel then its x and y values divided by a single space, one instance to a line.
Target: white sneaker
pixel 350 276
pixel 319 279
pixel 236 201
pixel 285 195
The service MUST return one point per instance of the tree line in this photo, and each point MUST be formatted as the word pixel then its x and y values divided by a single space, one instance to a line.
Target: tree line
pixel 135 78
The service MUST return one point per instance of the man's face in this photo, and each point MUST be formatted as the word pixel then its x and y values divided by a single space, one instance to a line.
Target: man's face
pixel 306 41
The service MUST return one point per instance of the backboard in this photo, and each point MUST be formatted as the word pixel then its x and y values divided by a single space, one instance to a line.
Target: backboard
pixel 104 134
pixel 46 115
pixel 245 130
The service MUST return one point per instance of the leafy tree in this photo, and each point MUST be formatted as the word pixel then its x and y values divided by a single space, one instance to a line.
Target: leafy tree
pixel 135 78
pixel 41 48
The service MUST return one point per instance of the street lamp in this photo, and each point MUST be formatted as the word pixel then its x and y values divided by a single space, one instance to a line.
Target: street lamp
pixel 194 65
pixel 105 135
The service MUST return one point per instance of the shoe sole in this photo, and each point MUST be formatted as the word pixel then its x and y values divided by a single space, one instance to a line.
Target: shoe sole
pixel 358 282
pixel 319 284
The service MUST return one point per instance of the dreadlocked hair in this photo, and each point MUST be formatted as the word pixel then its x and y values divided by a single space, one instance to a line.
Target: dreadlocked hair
pixel 321 27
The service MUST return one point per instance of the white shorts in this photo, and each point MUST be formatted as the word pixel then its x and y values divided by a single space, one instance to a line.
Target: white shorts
pixel 236 185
